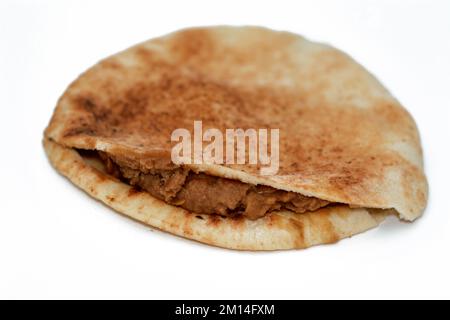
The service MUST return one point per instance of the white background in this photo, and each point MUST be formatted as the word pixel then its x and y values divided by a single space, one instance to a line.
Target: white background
pixel 56 242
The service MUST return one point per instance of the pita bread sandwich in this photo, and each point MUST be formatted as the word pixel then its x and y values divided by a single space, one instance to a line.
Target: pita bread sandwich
pixel 349 153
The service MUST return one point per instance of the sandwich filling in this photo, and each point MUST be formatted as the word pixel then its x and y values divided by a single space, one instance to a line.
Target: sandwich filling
pixel 206 194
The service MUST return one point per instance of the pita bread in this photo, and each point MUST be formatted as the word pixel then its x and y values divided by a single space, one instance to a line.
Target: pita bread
pixel 343 137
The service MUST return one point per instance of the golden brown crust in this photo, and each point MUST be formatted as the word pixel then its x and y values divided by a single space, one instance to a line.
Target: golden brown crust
pixel 343 137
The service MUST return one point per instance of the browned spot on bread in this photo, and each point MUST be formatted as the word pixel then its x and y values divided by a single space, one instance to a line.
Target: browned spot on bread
pixel 238 221
pixel 101 177
pixel 341 132
pixel 79 132
pixel 111 64
pixel 134 191
pixel 213 220
pixel 192 44
pixel 187 229
pixel 299 231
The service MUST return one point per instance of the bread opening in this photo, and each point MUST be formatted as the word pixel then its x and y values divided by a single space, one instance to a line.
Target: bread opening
pixel 203 193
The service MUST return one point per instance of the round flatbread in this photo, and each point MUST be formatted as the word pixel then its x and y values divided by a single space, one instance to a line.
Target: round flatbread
pixel 343 137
